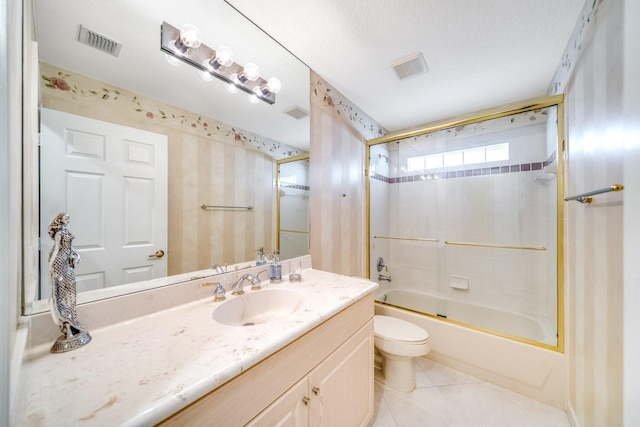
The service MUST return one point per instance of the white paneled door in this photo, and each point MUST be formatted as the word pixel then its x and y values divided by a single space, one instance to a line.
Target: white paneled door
pixel 112 181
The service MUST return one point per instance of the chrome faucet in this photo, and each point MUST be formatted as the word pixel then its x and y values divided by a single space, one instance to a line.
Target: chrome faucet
pixel 236 289
pixel 384 277
pixel 217 268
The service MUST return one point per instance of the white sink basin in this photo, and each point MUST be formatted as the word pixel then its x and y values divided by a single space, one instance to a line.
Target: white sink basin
pixel 256 307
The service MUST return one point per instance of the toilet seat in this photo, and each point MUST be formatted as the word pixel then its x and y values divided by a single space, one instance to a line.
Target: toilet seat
pixel 400 331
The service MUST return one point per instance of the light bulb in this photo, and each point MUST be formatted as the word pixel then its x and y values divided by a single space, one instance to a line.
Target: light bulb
pixel 190 36
pixel 232 88
pixel 172 60
pixel 224 56
pixel 273 85
pixel 254 98
pixel 206 76
pixel 250 72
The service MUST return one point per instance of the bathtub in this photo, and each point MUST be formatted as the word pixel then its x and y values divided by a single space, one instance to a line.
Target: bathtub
pixel 509 323
pixel 535 371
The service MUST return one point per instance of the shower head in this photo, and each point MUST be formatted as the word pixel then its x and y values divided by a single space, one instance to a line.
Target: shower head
pixel 386 158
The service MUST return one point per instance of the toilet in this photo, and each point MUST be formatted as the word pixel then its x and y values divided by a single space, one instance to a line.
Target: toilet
pixel 398 342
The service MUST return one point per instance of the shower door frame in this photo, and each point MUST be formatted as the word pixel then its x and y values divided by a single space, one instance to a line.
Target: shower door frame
pixel 494 113
pixel 279 163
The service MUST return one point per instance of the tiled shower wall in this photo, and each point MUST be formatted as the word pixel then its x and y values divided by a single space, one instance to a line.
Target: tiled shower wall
pixel 506 203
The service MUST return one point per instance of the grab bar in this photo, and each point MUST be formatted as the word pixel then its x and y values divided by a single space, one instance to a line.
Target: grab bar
pixel 587 197
pixel 406 238
pixel 211 207
pixel 486 245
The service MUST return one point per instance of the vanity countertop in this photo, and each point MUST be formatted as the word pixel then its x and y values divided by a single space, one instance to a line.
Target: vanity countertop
pixel 140 372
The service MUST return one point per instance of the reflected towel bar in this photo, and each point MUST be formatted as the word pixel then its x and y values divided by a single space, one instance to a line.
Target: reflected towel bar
pixel 210 207
pixel 483 245
pixel 587 197
pixel 406 238
pixel 293 231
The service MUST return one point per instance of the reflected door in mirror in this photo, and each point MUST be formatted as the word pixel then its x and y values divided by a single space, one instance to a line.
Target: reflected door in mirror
pixel 112 181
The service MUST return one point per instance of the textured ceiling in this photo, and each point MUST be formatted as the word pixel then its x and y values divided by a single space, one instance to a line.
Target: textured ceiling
pixel 480 53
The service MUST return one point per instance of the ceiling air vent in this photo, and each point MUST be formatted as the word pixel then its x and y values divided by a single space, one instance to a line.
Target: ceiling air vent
pixel 99 41
pixel 297 113
pixel 410 66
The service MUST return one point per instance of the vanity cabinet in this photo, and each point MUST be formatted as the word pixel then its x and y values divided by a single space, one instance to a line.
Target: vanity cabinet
pixel 290 410
pixel 324 378
pixel 338 392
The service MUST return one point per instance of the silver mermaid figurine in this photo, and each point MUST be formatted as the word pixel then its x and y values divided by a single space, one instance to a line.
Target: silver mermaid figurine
pixel 62 261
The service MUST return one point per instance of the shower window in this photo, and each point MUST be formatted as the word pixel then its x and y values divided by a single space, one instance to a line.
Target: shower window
pixel 491 153
pixel 466 219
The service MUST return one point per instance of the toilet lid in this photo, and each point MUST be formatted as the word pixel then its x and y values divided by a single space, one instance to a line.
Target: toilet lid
pixel 392 329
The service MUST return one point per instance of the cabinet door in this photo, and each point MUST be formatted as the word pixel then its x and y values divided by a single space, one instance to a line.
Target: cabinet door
pixel 290 410
pixel 341 387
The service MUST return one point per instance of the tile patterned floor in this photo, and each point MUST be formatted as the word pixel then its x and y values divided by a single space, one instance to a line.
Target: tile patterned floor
pixel 445 397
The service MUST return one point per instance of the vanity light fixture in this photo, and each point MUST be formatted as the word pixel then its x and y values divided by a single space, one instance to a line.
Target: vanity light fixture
pixel 184 45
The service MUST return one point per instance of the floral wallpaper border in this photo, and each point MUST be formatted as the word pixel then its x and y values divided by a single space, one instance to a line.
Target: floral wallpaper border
pixel 583 30
pixel 78 87
pixel 334 100
pixel 370 129
pixel 514 121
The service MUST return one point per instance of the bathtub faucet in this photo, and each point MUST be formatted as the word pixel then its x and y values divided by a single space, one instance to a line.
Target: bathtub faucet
pixel 384 277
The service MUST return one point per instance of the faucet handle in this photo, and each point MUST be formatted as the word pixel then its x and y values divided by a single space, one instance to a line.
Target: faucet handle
pixel 256 284
pixel 219 293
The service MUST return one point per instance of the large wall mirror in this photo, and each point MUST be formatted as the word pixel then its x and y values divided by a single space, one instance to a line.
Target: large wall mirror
pixel 216 152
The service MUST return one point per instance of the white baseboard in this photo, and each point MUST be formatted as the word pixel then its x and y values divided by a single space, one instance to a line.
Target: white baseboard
pixel 17 359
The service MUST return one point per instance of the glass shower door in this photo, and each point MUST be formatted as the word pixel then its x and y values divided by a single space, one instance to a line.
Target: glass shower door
pixel 465 219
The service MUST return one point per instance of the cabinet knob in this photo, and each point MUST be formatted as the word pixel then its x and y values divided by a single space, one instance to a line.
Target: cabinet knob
pixel 306 400
pixel 316 390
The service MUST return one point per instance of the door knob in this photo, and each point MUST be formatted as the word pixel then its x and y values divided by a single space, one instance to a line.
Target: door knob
pixel 159 254
pixel 316 390
pixel 306 401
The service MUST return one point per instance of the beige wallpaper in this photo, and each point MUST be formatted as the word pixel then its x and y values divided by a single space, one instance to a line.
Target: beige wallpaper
pixel 591 77
pixel 337 202
pixel 209 163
